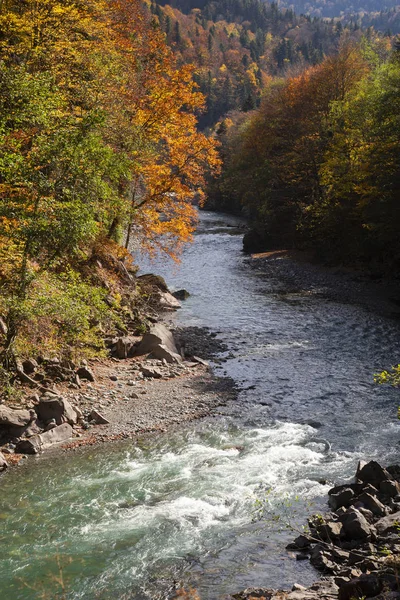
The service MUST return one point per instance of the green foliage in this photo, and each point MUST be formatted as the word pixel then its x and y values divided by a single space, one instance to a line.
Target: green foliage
pixel 318 164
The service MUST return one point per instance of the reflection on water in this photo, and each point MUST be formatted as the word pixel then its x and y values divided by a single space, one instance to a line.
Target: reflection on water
pixel 125 520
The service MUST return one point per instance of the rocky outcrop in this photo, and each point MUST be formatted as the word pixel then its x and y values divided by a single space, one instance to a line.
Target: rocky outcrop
pixel 159 343
pixel 357 546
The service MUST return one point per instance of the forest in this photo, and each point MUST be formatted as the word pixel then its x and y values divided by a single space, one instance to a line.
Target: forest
pixel 317 166
pixel 98 144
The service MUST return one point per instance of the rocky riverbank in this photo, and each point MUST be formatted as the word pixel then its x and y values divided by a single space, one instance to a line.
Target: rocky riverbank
pixel 356 546
pixel 295 273
pixel 148 383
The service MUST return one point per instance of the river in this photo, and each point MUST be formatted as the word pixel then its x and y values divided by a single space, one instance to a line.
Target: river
pixel 126 520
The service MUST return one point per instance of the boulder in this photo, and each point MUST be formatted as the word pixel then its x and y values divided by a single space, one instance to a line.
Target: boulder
pixel 10 417
pixel 56 408
pixel 181 294
pixel 124 347
pixel 342 498
pixel 388 524
pixel 154 280
pixel 98 418
pixel 365 586
pixel 158 335
pixel 355 525
pixel 163 353
pixel 330 530
pixel 373 473
pixel 3 462
pixel 37 443
pixel 389 488
pixel 371 503
pixel 85 373
pixel 168 301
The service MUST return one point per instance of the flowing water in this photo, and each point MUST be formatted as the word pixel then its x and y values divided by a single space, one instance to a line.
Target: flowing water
pixel 125 521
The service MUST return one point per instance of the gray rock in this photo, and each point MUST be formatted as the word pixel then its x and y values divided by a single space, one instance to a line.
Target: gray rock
pixel 168 302
pixel 56 408
pixel 388 524
pixel 3 462
pixel 124 347
pixel 98 418
pixel 201 361
pixel 154 280
pixel 85 373
pixel 10 417
pixel 163 353
pixel 355 525
pixel 152 372
pixel 158 335
pixel 342 498
pixel 365 586
pixel 389 488
pixel 181 294
pixel 373 473
pixel 372 504
pixel 330 530
pixel 39 442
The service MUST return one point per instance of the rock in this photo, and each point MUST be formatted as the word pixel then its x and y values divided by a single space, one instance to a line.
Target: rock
pixel 50 425
pixel 29 366
pixel 152 372
pixel 56 408
pixel 3 462
pixel 125 347
pixel 168 301
pixel 158 335
pixel 85 373
pixel 301 542
pixel 113 378
pixel 181 294
pixel 98 418
pixel 201 361
pixel 154 280
pixel 10 417
pixel 370 503
pixel 39 442
pixel 163 353
pixel 342 498
pixel 389 488
pixel 373 473
pixel 355 525
pixel 365 586
pixel 321 560
pixel 330 530
pixel 388 524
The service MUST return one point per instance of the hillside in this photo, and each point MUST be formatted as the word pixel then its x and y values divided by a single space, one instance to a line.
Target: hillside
pixel 238 45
